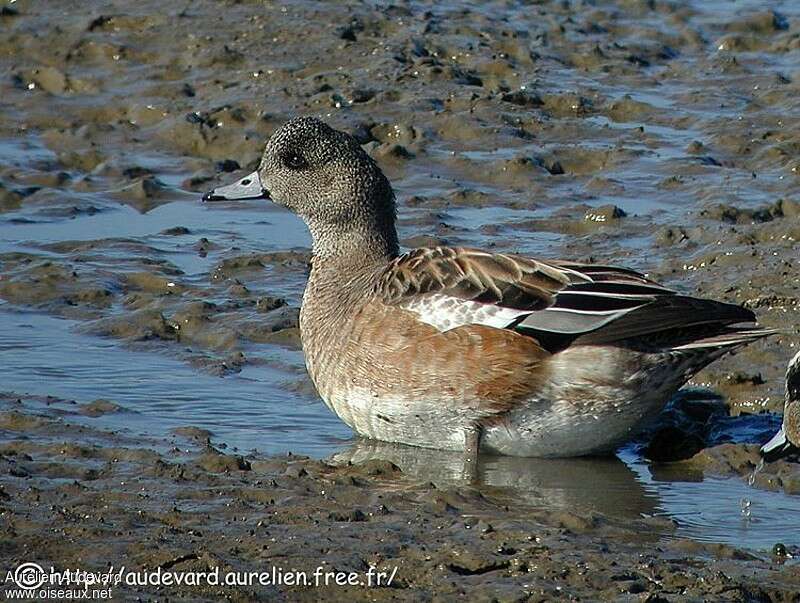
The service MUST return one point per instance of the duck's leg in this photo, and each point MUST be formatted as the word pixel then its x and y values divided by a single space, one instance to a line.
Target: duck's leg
pixel 472 444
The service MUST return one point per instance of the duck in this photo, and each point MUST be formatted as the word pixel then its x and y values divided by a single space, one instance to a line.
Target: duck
pixel 787 440
pixel 457 348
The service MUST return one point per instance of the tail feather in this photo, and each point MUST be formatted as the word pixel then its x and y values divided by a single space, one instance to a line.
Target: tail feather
pixel 731 338
pixel 677 317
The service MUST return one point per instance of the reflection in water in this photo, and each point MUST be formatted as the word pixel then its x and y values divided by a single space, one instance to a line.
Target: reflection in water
pixel 602 485
pixel 707 509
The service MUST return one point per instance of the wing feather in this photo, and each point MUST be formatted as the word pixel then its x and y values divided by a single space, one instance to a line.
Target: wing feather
pixel 554 302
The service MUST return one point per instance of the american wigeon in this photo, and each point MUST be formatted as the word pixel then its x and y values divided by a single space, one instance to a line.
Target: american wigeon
pixel 462 349
pixel 787 440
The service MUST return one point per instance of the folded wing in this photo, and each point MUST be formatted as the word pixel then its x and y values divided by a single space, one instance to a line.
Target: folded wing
pixel 557 303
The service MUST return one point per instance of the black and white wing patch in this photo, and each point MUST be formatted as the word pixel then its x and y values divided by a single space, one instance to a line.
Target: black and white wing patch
pixel 554 302
pixel 446 312
pixel 452 287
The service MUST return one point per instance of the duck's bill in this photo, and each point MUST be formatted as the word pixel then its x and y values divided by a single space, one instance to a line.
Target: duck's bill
pixel 778 447
pixel 249 187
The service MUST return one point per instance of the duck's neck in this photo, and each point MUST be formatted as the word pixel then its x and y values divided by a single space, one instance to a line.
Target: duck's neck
pixel 343 272
pixel 360 246
pixel 343 265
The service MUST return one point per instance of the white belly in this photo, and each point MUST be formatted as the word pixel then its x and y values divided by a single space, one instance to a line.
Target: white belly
pixel 579 411
pixel 563 432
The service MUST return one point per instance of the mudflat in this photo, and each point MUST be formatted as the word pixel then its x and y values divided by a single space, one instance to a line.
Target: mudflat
pixel 153 380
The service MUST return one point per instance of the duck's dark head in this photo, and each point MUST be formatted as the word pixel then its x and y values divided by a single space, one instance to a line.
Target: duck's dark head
pixel 325 177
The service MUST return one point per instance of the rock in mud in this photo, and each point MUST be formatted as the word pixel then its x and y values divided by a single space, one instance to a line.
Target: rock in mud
pixel 140 325
pixel 98 408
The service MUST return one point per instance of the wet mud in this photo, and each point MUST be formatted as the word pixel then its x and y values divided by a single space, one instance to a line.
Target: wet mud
pixel 182 505
pixel 658 135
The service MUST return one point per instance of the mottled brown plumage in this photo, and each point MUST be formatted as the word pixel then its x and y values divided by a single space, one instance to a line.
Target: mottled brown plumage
pixel 453 347
pixel 474 275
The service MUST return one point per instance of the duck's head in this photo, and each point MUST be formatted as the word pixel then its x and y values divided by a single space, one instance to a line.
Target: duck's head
pixel 325 177
pixel 787 440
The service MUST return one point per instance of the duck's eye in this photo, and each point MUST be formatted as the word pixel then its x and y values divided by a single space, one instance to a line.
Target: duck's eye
pixel 294 161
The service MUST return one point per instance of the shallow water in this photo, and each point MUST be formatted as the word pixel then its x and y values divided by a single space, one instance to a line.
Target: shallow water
pixel 248 411
pixel 711 508
pixel 636 157
pixel 251 411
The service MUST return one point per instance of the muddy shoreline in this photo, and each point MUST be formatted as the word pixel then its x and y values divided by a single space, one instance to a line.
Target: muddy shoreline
pixel 77 497
pixel 658 135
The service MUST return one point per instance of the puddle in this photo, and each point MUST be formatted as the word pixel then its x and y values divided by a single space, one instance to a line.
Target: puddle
pixel 720 509
pixel 247 411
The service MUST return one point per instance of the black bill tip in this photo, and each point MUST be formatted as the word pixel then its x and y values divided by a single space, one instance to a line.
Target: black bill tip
pixel 249 187
pixel 210 196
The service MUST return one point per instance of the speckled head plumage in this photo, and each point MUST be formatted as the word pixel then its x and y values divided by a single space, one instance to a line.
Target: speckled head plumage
pixel 325 177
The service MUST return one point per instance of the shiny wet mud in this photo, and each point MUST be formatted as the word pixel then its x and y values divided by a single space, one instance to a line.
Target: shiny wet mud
pixel 654 135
